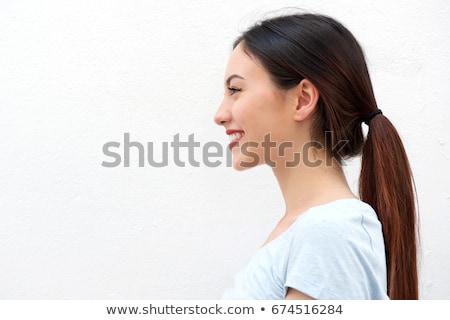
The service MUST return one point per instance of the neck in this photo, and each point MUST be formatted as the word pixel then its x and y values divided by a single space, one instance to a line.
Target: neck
pixel 306 186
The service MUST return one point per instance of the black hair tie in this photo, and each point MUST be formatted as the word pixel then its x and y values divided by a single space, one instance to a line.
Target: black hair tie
pixel 371 115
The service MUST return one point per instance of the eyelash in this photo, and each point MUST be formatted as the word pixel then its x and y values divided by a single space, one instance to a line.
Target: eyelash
pixel 233 90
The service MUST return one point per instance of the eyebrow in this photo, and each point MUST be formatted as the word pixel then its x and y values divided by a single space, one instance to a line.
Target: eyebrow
pixel 231 78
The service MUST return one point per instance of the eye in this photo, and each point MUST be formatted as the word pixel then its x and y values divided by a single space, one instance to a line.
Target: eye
pixel 233 90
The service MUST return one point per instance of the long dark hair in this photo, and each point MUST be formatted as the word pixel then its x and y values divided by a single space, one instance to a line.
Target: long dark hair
pixel 319 48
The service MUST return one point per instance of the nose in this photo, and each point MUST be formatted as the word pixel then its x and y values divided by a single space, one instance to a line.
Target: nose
pixel 223 114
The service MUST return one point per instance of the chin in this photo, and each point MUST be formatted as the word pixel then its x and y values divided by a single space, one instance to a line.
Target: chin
pixel 243 162
pixel 239 167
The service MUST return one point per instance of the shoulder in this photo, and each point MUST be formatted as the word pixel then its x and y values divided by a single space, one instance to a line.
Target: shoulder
pixel 337 251
pixel 346 228
pixel 338 210
pixel 341 218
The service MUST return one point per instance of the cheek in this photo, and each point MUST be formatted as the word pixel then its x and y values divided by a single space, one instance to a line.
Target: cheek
pixel 245 113
pixel 258 113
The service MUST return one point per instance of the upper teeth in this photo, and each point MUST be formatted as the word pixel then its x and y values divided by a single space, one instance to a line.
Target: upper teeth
pixel 236 136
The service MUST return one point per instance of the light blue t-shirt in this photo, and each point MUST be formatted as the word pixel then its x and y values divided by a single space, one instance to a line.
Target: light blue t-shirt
pixel 332 251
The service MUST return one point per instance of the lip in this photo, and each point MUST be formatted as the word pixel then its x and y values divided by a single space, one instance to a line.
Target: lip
pixel 236 141
pixel 231 131
pixel 233 144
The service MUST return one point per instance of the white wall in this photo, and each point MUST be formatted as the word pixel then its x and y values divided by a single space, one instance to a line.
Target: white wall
pixel 77 74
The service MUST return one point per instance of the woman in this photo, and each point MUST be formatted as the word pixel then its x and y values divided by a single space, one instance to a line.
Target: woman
pixel 297 93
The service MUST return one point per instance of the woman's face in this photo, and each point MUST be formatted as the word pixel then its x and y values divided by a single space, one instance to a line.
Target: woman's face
pixel 256 114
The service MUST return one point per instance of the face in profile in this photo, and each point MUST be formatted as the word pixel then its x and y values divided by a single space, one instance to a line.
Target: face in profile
pixel 252 108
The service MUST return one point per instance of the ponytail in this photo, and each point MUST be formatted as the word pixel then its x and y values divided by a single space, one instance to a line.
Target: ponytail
pixel 386 183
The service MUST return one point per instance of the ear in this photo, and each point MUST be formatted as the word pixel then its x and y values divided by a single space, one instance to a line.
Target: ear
pixel 307 96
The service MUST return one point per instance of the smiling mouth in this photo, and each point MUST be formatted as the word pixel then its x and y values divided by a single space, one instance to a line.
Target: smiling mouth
pixel 234 138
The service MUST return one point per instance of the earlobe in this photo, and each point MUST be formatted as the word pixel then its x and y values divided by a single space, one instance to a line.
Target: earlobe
pixel 307 97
